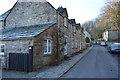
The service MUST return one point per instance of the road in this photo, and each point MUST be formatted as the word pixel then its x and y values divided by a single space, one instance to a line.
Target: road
pixel 98 63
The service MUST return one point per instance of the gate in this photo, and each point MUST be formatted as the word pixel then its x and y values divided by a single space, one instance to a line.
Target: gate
pixel 21 62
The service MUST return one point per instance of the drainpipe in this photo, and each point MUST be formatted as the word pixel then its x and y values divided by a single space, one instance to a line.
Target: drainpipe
pixel 58 56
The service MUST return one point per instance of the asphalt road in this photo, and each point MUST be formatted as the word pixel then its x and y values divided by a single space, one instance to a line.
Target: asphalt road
pixel 98 63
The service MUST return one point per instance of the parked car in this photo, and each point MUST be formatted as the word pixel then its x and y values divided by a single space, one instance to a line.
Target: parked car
pixel 114 48
pixel 103 44
pixel 93 42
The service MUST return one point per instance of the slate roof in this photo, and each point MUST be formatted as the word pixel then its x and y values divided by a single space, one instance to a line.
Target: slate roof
pixel 71 21
pixel 62 10
pixel 25 32
pixel 78 26
pixel 114 29
pixel 3 16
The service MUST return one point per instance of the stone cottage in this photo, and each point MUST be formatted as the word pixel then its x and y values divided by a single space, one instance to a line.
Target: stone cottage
pixel 39 27
pixel 112 34
pixel 72 33
pixel 34 24
pixel 78 37
pixel 83 41
pixel 2 19
pixel 63 11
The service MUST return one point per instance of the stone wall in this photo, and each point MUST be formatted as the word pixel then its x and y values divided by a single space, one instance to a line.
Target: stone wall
pixel 78 40
pixel 30 13
pixel 39 59
pixel 74 37
pixel 17 46
pixel 27 13
pixel 61 33
pixel 83 41
pixel 66 41
pixel 69 39
pixel 1 25
pixel 114 36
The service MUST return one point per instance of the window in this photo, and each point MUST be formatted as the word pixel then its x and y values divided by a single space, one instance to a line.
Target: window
pixel 65 22
pixel 72 45
pixel 76 45
pixel 74 29
pixel 2 48
pixel 47 46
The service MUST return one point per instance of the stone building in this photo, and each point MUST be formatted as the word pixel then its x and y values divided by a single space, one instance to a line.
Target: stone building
pixel 63 12
pixel 73 33
pixel 38 25
pixel 78 37
pixel 34 24
pixel 83 41
pixel 2 18
pixel 112 35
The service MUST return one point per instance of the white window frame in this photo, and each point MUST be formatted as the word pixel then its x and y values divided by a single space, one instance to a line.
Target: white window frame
pixel 48 47
pixel 65 21
pixel 74 28
pixel 72 45
pixel 76 45
pixel 1 48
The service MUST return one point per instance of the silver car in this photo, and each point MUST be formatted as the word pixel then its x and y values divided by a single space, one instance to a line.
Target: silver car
pixel 103 44
pixel 114 48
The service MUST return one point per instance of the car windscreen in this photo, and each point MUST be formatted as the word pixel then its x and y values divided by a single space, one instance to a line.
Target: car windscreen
pixel 115 45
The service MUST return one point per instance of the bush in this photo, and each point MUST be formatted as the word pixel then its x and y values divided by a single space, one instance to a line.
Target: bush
pixel 87 40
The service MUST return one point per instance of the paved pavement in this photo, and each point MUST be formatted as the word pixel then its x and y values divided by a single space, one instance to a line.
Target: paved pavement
pixel 119 66
pixel 0 74
pixel 58 71
pixel 98 63
pixel 48 72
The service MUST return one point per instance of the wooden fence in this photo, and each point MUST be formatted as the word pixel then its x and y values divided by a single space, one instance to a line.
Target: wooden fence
pixel 20 62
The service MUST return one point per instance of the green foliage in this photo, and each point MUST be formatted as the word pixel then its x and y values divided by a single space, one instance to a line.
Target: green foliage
pixel 92 39
pixel 93 29
pixel 87 40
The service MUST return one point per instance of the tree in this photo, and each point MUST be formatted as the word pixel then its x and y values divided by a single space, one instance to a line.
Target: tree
pixel 110 15
pixel 96 33
pixel 87 40
pixel 93 28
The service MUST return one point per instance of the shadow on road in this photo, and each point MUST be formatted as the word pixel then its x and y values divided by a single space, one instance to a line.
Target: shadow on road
pixel 118 65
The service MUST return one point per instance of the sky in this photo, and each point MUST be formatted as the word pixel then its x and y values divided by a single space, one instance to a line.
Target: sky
pixel 81 10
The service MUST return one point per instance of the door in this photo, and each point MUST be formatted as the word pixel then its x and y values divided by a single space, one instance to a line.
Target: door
pixel 30 59
pixel 65 46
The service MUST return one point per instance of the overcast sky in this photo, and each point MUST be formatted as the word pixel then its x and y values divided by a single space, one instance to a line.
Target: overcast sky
pixel 81 10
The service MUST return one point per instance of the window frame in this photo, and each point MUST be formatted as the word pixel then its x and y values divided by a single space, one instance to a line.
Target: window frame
pixel 49 44
pixel 65 22
pixel 74 29
pixel 2 48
